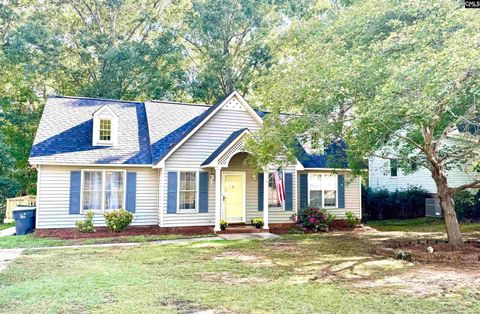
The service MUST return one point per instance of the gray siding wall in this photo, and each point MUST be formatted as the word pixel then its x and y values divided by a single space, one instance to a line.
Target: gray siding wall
pixel 353 195
pixel 54 196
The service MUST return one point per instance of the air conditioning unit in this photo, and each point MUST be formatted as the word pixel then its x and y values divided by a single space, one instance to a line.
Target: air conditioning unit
pixel 432 207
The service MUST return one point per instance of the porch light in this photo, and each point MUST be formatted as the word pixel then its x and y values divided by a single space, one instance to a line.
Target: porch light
pixel 212 178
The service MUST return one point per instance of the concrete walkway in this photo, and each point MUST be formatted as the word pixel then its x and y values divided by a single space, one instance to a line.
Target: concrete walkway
pixel 126 244
pixel 7 256
pixel 7 232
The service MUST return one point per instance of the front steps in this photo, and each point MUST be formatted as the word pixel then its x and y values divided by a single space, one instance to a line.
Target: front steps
pixel 240 228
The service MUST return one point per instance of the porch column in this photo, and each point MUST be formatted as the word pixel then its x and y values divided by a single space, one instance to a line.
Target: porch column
pixel 218 200
pixel 265 201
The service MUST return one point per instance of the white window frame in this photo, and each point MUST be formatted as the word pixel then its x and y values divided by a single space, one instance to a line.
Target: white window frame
pixel 323 190
pixel 110 141
pixel 197 185
pixel 390 169
pixel 103 171
pixel 105 113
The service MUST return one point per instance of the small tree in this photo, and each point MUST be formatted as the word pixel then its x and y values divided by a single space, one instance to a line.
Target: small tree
pixel 397 80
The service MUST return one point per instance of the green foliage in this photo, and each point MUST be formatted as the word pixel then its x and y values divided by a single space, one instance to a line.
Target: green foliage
pixel 400 204
pixel 380 75
pixel 228 41
pixel 315 219
pixel 258 222
pixel 467 205
pixel 118 220
pixel 352 219
pixel 223 224
pixel 86 226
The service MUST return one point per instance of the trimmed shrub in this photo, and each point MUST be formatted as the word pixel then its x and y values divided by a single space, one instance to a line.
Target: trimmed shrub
pixel 352 219
pixel 315 219
pixel 401 204
pixel 86 226
pixel 118 220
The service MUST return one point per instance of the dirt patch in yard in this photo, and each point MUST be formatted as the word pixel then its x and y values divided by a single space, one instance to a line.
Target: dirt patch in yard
pixel 255 260
pixel 231 278
pixel 434 251
pixel 103 232
pixel 428 280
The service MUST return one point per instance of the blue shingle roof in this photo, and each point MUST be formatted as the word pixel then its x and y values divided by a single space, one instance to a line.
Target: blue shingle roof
pixel 147 132
pixel 232 137
pixel 335 156
pixel 64 134
pixel 162 146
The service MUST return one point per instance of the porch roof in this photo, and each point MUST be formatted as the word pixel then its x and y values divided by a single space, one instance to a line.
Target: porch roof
pixel 222 147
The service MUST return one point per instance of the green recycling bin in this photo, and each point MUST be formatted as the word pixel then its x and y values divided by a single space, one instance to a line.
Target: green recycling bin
pixel 24 219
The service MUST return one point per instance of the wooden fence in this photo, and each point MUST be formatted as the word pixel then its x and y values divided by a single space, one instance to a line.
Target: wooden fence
pixel 12 203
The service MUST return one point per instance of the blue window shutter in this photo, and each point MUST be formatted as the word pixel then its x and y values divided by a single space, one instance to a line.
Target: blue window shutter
pixel 75 185
pixel 288 191
pixel 260 191
pixel 303 191
pixel 172 192
pixel 203 199
pixel 131 191
pixel 341 191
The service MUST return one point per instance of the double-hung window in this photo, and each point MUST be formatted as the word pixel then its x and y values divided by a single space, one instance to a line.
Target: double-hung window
pixel 114 189
pixel 105 130
pixel 187 192
pixel 92 190
pixel 393 168
pixel 322 190
pixel 103 190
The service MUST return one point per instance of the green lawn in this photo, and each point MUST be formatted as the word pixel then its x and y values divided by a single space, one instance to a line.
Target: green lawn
pixel 425 224
pixel 7 225
pixel 32 241
pixel 334 273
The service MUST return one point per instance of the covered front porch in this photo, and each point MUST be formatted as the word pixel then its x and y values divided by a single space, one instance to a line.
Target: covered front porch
pixel 238 197
pixel 241 192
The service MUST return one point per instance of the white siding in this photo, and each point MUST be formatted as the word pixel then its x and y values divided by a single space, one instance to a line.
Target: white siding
pixel 206 140
pixel 379 177
pixel 194 152
pixel 353 194
pixel 201 145
pixel 54 196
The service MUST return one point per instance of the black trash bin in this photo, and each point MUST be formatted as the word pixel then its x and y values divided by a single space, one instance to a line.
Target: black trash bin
pixel 24 219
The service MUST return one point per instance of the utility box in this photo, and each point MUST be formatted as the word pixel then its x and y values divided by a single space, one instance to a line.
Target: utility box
pixel 432 207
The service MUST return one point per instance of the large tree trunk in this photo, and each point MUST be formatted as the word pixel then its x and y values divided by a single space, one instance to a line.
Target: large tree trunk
pixel 445 194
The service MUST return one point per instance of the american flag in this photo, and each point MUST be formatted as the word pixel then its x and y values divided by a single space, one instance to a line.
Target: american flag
pixel 280 187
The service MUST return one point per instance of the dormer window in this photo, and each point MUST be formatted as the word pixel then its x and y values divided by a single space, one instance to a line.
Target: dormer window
pixel 105 130
pixel 315 144
pixel 105 125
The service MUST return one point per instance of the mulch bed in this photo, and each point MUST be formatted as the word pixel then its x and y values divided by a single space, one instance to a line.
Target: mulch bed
pixel 442 252
pixel 103 232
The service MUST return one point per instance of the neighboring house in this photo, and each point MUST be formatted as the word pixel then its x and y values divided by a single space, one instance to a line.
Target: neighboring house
pixel 385 174
pixel 171 164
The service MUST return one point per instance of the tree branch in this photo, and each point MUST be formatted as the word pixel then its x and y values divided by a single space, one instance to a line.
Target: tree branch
pixel 473 184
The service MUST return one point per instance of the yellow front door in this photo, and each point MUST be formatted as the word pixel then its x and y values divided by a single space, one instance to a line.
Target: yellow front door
pixel 234 196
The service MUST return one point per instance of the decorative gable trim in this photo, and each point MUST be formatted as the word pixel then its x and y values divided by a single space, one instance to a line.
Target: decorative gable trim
pixel 241 101
pixel 105 113
pixel 223 156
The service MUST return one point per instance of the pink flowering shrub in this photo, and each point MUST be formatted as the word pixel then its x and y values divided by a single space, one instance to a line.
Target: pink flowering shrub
pixel 315 219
